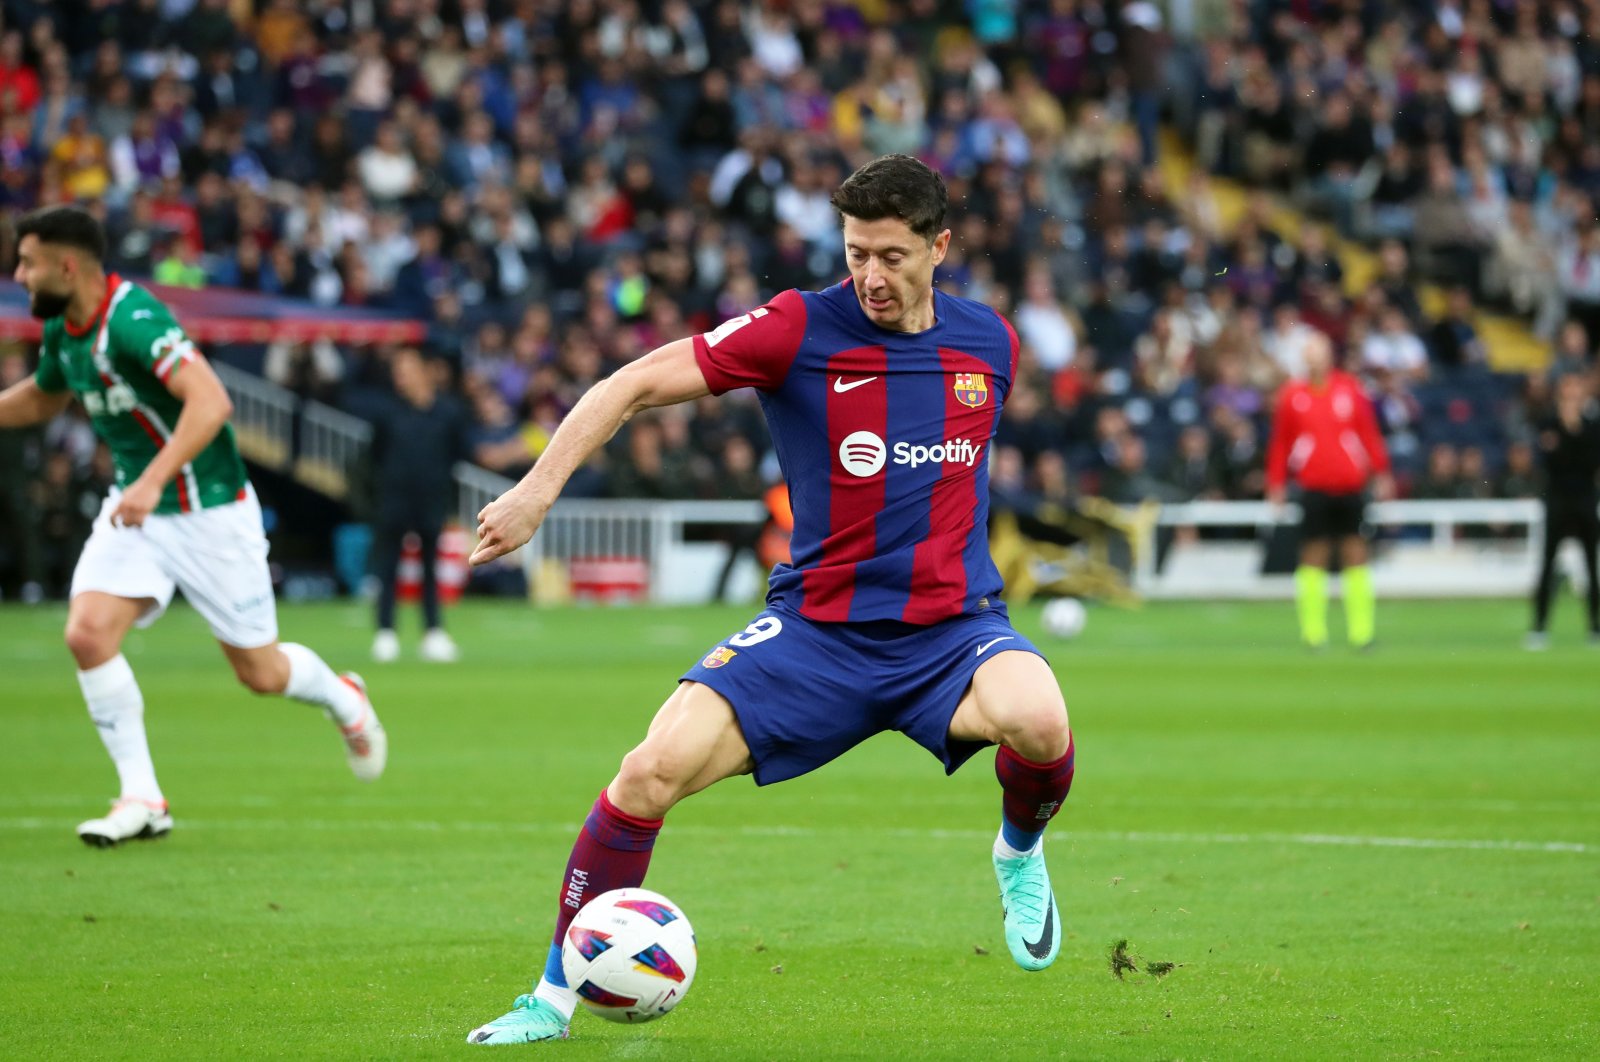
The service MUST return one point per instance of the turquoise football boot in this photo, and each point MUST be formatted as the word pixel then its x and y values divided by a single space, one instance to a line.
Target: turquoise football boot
pixel 1033 925
pixel 530 1019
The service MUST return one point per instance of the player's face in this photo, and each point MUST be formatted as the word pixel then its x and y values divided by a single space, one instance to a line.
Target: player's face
pixel 1318 353
pixel 892 268
pixel 45 272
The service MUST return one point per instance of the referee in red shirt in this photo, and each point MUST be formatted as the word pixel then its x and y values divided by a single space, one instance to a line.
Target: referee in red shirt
pixel 1325 435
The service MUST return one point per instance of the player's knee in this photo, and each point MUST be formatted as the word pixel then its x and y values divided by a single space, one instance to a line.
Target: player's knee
pixel 650 781
pixel 90 641
pixel 1038 730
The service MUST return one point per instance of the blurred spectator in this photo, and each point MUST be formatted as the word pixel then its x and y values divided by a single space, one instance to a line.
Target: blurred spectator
pixel 1580 277
pixel 1130 480
pixel 1395 282
pixel 1454 341
pixel 738 477
pixel 1573 354
pixel 1286 343
pixel 1521 479
pixel 1394 350
pixel 311 370
pixel 1195 473
pixel 1443 476
pixel 180 266
pixel 639 172
pixel 1527 270
pixel 1044 325
pixel 1448 241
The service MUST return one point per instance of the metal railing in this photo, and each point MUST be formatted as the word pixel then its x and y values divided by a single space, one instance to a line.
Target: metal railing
pixel 331 442
pixel 1428 548
pixel 1465 548
pixel 263 416
pixel 1425 549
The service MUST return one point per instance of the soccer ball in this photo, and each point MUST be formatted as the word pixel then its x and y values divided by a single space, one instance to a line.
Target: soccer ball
pixel 630 955
pixel 1064 617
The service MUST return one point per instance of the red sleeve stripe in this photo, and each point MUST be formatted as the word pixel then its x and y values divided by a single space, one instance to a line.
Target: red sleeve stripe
pixel 166 366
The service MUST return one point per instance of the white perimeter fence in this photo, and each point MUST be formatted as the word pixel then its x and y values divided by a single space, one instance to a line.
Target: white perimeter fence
pixel 652 549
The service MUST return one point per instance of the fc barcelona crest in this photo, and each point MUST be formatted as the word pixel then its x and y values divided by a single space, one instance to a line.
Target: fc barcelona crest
pixel 972 389
pixel 718 656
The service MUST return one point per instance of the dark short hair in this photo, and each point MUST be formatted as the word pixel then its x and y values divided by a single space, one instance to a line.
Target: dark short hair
pixel 68 226
pixel 895 186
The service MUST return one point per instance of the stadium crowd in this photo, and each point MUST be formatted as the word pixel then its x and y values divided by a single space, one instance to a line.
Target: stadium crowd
pixel 556 187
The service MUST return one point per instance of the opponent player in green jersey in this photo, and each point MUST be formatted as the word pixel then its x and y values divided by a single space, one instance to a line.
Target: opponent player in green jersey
pixel 181 515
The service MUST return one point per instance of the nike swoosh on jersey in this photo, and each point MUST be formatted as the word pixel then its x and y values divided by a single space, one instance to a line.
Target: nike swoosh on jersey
pixel 840 387
pixel 141 313
pixel 985 647
pixel 1040 949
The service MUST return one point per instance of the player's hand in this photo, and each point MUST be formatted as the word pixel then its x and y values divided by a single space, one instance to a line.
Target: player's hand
pixel 1277 497
pixel 1383 487
pixel 505 524
pixel 137 502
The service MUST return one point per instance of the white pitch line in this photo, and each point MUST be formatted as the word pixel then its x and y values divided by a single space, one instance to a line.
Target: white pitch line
pixel 37 801
pixel 1075 836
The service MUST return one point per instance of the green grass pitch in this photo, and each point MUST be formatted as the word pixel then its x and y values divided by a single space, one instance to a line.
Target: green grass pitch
pixel 1386 856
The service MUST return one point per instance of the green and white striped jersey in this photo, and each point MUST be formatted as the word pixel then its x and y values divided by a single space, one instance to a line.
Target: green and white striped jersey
pixel 118 367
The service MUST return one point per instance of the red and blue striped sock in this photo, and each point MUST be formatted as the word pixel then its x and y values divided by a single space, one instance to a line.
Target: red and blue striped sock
pixel 612 852
pixel 1031 795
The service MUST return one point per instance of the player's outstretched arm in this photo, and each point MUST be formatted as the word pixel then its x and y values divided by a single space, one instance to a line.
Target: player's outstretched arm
pixel 664 377
pixel 206 408
pixel 25 403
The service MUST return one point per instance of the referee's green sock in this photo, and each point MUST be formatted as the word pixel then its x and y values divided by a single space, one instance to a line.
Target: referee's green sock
pixel 1360 605
pixel 1311 600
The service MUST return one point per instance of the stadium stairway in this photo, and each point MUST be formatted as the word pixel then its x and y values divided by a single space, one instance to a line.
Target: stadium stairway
pixel 1510 344
pixel 316 445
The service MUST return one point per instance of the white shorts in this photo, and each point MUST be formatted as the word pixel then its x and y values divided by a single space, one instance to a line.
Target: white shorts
pixel 217 557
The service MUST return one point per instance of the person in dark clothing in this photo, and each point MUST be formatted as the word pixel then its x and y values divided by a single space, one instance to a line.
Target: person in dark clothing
pixel 1453 341
pixel 738 478
pixel 1570 446
pixel 21 454
pixel 416 442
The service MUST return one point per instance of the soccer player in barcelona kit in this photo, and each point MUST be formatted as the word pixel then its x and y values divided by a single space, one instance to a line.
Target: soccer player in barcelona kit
pixel 182 513
pixel 1324 432
pixel 882 396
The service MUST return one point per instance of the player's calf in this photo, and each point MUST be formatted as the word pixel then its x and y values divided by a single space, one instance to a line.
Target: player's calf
pixel 263 671
pixel 298 673
pixel 1033 793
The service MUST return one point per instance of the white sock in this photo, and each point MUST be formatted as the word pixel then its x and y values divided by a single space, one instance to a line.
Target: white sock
pixel 1002 850
pixel 563 999
pixel 117 708
pixel 311 680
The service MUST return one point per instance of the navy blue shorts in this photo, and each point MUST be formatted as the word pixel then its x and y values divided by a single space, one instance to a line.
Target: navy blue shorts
pixel 806 692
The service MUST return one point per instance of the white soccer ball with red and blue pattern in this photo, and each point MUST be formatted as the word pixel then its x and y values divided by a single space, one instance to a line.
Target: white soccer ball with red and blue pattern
pixel 630 955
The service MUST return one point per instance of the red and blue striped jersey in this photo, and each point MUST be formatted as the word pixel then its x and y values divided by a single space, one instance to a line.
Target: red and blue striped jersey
pixel 883 438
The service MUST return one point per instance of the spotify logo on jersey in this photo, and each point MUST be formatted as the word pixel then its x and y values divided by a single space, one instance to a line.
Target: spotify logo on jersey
pixel 863 454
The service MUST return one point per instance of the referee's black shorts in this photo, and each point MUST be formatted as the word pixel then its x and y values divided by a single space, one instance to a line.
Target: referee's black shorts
pixel 1324 515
